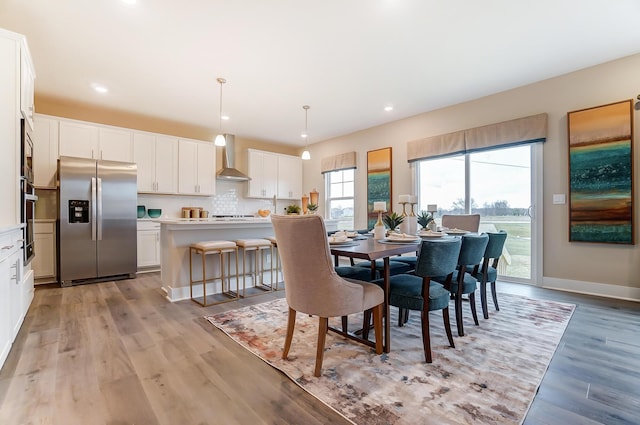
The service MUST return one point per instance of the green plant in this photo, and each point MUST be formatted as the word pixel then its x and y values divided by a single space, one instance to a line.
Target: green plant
pixel 312 207
pixel 393 220
pixel 293 209
pixel 424 218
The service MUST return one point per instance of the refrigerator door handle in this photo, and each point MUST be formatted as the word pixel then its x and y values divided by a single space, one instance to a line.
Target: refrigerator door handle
pixel 93 208
pixel 99 209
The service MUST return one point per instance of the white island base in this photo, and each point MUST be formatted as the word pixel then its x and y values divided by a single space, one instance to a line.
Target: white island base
pixel 177 235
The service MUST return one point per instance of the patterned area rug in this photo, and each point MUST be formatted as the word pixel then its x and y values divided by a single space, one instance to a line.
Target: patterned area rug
pixel 490 377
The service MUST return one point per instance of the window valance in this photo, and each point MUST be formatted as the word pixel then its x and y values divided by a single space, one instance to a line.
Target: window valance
pixel 342 161
pixel 525 130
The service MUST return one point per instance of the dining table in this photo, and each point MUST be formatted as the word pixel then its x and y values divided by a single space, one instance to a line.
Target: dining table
pixel 372 250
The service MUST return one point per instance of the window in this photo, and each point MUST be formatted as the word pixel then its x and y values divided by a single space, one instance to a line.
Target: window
pixel 339 202
pixel 498 184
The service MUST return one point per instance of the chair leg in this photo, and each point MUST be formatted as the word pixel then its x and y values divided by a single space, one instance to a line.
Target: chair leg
pixel 377 327
pixel 458 306
pixel 291 323
pixel 426 338
pixel 494 295
pixel 345 324
pixel 483 299
pixel 472 304
pixel 447 326
pixel 366 324
pixel 323 327
pixel 401 317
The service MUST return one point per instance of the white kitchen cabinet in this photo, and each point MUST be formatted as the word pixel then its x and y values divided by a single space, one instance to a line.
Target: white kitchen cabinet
pixel 13 53
pixel 148 245
pixel 44 263
pixel 263 170
pixel 289 177
pixel 115 144
pixel 78 139
pixel 95 142
pixel 196 168
pixel 27 86
pixel 45 152
pixel 16 288
pixel 157 159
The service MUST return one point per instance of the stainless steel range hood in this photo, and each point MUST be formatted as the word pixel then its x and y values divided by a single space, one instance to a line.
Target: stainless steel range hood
pixel 228 172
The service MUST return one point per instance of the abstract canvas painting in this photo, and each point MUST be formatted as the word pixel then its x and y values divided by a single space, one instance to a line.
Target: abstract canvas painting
pixel 378 182
pixel 601 174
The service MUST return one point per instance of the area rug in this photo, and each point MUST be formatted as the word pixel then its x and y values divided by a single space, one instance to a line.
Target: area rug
pixel 490 377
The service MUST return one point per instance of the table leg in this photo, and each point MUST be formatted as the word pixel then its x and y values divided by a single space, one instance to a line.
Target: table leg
pixel 386 313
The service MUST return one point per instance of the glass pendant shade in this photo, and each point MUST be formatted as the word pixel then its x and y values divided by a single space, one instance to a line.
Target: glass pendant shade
pixel 306 155
pixel 220 140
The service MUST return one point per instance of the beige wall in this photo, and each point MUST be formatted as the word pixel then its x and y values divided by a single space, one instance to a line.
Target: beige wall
pixel 570 266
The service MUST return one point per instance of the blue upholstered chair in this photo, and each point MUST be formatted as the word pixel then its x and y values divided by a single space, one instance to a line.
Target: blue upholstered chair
pixel 409 291
pixel 471 252
pixel 487 271
pixel 395 267
pixel 357 273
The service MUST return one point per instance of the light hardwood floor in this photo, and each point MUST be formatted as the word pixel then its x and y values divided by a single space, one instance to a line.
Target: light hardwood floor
pixel 119 353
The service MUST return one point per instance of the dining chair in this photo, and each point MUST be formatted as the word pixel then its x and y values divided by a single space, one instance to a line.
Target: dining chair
pixel 468 222
pixel 487 271
pixel 418 292
pixel 462 283
pixel 312 285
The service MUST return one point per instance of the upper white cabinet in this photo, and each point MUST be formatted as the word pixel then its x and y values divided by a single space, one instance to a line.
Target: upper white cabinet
pixel 27 86
pixel 16 100
pixel 263 170
pixel 45 152
pixel 274 174
pixel 157 159
pixel 289 177
pixel 196 168
pixel 90 141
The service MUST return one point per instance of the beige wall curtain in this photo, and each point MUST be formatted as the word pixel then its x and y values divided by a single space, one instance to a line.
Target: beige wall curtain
pixel 525 130
pixel 342 161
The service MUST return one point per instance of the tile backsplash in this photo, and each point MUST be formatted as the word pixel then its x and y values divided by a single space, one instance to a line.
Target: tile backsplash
pixel 229 200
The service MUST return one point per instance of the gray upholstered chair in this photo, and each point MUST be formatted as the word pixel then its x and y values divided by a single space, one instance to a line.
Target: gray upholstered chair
pixel 471 252
pixel 468 222
pixel 487 271
pixel 409 292
pixel 312 285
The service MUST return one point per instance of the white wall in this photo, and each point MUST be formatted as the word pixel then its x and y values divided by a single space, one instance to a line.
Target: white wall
pixel 606 269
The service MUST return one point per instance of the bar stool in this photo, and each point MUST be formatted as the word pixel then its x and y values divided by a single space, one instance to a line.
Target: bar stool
pixel 258 247
pixel 275 271
pixel 223 249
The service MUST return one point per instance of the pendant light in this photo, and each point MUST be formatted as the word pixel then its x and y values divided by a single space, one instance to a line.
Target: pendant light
pixel 220 140
pixel 305 154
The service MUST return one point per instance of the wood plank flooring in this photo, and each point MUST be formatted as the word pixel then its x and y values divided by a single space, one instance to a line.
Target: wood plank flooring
pixel 120 353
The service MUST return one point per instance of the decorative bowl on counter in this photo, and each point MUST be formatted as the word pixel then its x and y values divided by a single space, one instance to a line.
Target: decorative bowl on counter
pixel 154 212
pixel 141 211
pixel 264 213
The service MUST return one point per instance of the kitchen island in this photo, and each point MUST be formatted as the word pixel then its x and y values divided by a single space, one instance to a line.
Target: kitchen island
pixel 176 235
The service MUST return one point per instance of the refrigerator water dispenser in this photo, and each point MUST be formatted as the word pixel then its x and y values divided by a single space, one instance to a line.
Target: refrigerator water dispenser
pixel 78 211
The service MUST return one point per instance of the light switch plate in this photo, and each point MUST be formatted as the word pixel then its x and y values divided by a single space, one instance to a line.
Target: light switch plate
pixel 559 198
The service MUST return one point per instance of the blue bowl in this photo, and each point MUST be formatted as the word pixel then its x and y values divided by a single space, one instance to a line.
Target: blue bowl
pixel 154 213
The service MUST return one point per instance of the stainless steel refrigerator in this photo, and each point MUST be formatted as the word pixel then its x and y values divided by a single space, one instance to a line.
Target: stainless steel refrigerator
pixel 97 220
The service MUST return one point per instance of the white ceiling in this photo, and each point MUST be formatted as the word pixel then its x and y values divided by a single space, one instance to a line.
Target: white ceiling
pixel 347 59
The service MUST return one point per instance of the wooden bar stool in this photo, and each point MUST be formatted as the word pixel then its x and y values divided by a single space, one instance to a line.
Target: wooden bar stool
pixel 258 247
pixel 275 282
pixel 223 249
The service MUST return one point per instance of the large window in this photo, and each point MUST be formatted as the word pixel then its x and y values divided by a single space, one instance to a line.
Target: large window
pixel 497 184
pixel 339 201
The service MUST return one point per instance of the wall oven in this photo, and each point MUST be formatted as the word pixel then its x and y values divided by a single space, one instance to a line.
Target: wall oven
pixel 27 191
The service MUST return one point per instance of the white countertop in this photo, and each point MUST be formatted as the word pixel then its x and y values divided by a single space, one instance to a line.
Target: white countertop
pixel 211 220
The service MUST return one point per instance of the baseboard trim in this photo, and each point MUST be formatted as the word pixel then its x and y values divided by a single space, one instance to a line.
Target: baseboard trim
pixel 592 288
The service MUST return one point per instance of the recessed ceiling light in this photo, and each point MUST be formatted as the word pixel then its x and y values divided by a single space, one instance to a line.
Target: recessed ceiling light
pixel 100 88
pixel 388 108
pixel 225 117
pixel 129 1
